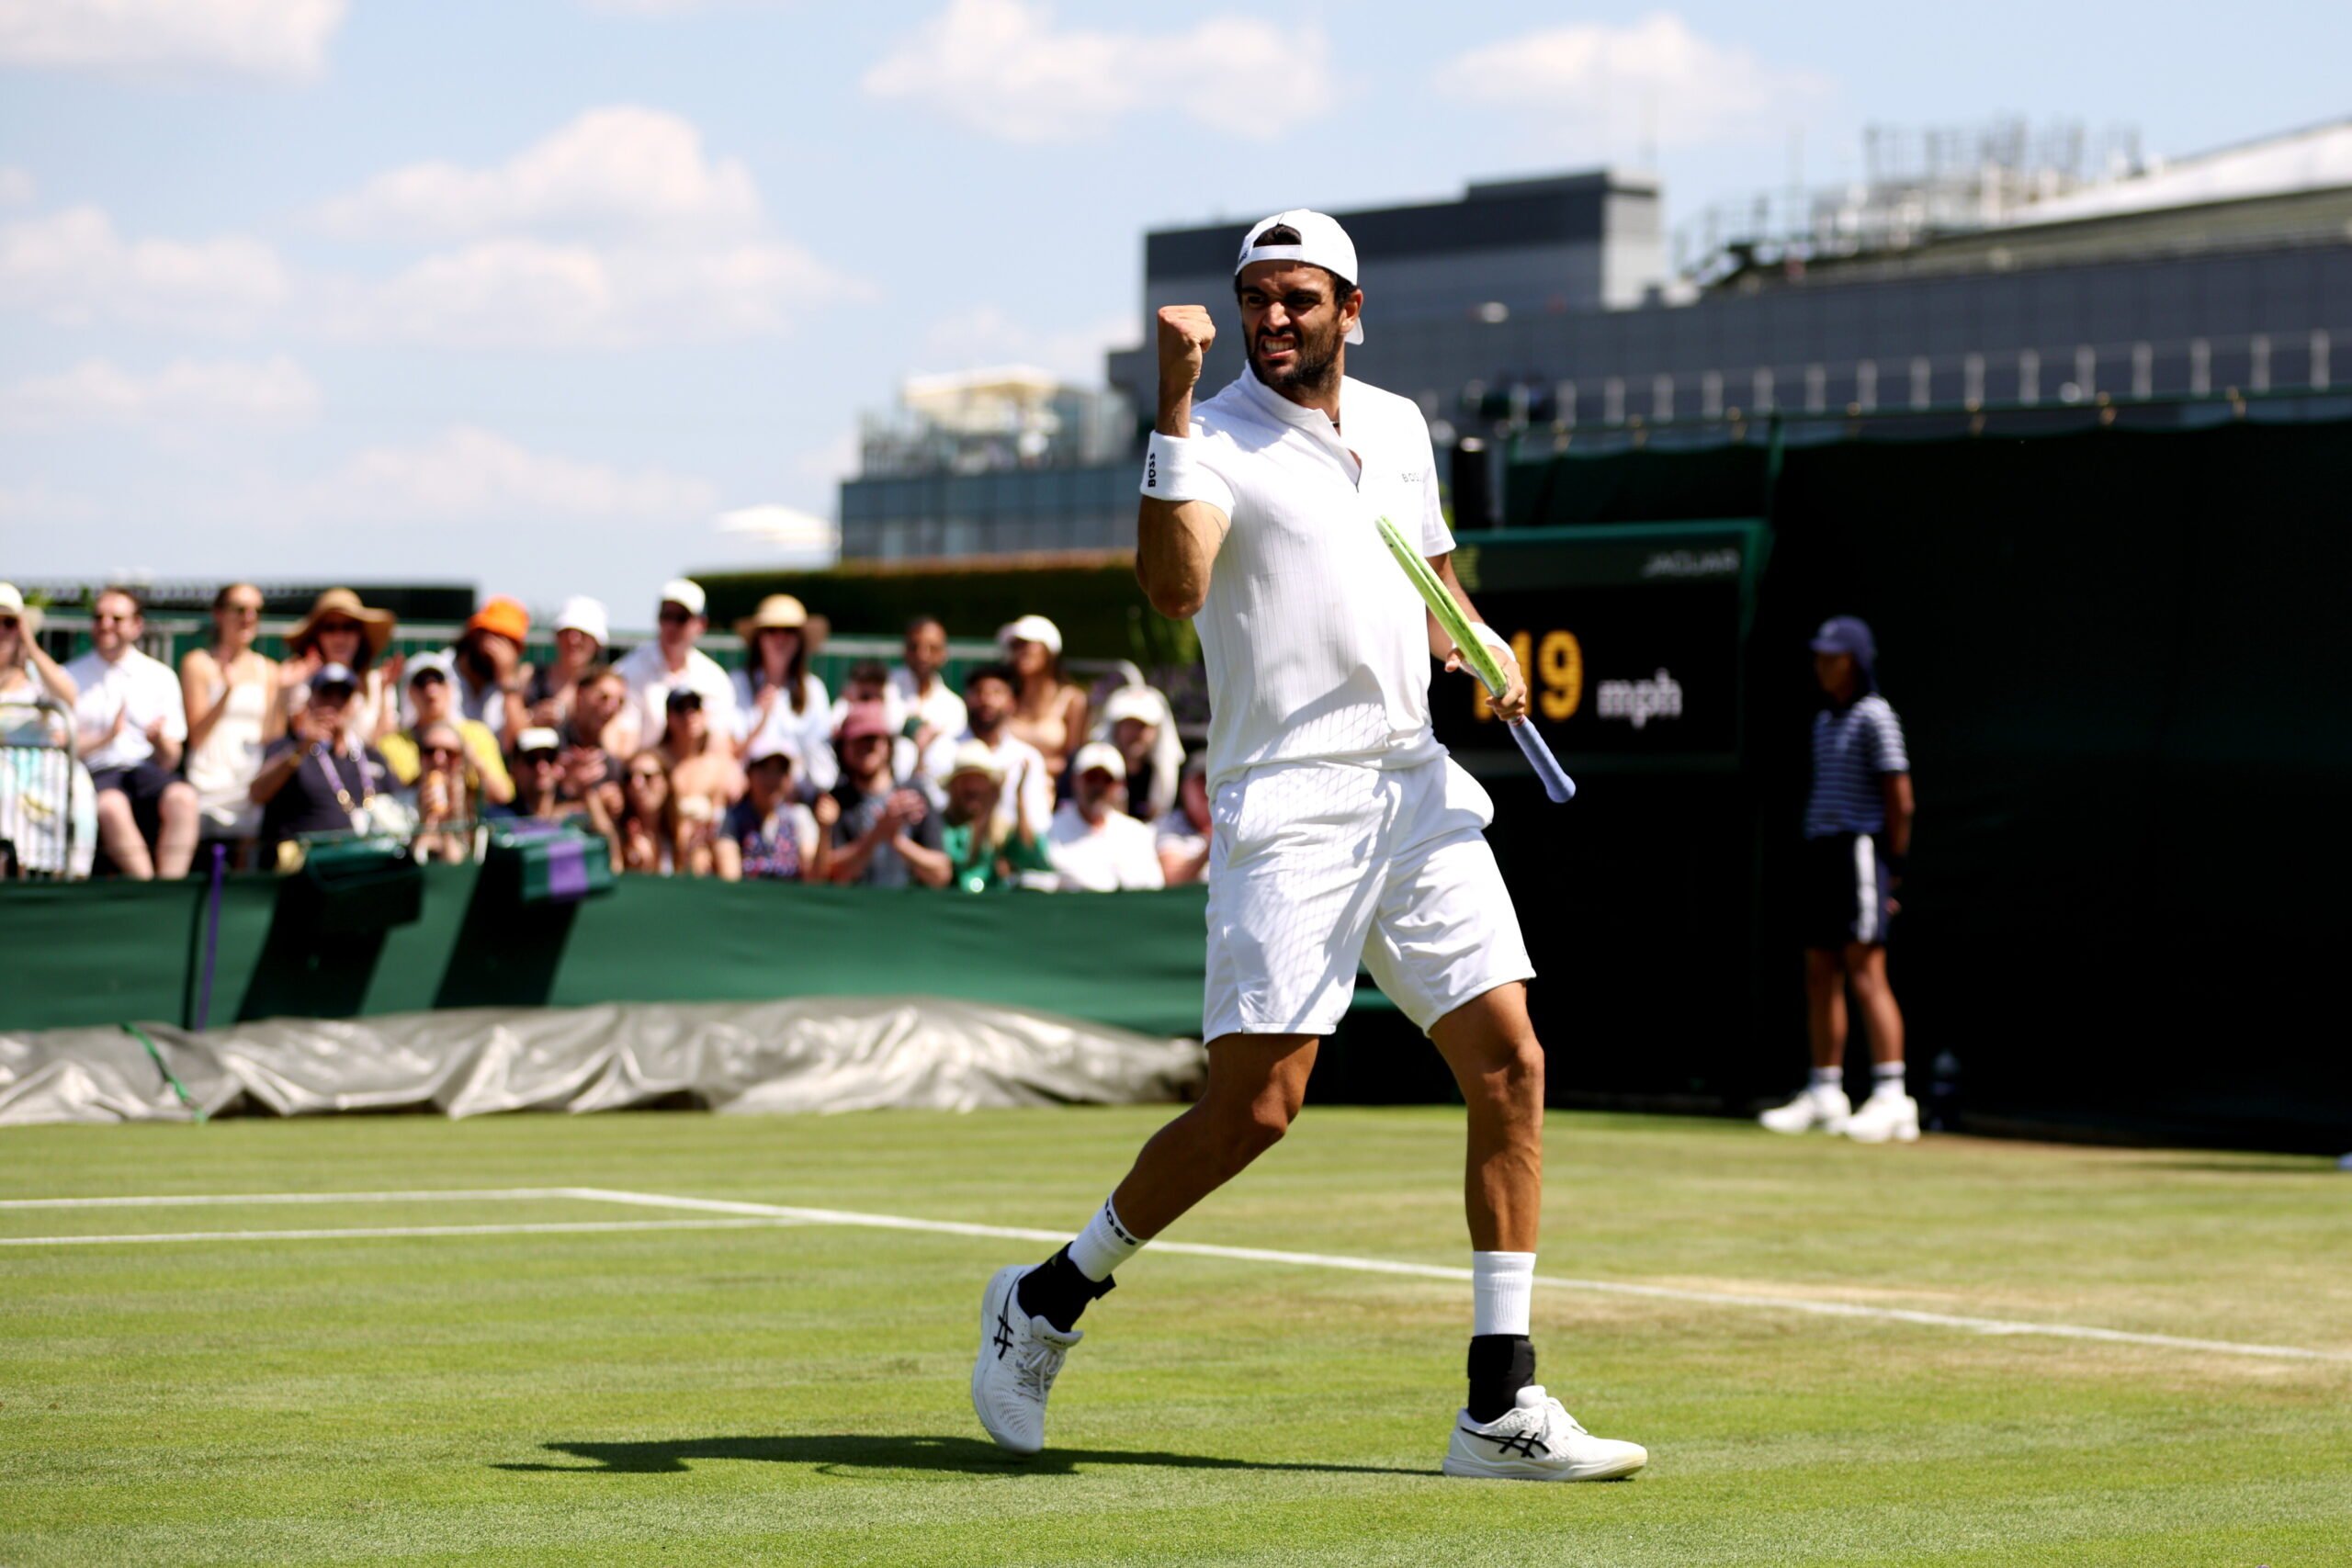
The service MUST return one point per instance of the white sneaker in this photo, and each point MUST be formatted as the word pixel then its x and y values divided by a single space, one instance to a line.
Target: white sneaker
pixel 1020 1357
pixel 1537 1440
pixel 1886 1116
pixel 1821 1107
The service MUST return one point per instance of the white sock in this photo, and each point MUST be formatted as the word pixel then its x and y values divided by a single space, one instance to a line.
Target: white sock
pixel 1103 1244
pixel 1829 1077
pixel 1887 1077
pixel 1501 1286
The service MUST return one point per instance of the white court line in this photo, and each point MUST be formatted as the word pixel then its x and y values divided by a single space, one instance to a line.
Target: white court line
pixel 573 1227
pixel 755 1215
pixel 1997 1326
pixel 193 1200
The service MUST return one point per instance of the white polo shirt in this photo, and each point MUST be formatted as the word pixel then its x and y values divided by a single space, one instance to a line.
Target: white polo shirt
pixel 1316 645
pixel 141 689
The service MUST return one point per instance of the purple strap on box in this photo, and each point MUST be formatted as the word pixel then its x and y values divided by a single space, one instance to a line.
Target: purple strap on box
pixel 568 868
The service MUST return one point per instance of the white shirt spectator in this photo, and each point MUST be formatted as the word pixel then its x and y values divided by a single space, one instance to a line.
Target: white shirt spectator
pixel 143 690
pixel 1316 645
pixel 1090 858
pixel 1174 832
pixel 650 681
pixel 808 734
pixel 941 710
pixel 1016 757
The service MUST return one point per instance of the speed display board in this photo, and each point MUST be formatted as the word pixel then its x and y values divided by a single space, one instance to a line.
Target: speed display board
pixel 1630 638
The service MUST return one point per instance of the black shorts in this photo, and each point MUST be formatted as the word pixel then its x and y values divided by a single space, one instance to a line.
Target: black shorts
pixel 1843 896
pixel 142 783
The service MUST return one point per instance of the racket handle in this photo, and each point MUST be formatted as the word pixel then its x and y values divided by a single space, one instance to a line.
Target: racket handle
pixel 1557 783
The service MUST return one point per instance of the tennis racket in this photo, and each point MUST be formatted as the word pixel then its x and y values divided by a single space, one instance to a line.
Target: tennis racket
pixel 1478 656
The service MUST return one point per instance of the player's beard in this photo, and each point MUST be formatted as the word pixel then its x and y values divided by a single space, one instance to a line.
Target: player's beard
pixel 1314 368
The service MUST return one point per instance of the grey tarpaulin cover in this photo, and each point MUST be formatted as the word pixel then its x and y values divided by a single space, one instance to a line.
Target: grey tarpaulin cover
pixel 809 1053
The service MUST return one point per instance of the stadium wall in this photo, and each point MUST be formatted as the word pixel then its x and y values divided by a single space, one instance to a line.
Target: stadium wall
pixel 107 952
pixel 2120 659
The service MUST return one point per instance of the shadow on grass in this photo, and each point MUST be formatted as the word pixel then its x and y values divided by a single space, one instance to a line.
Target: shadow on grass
pixel 843 1451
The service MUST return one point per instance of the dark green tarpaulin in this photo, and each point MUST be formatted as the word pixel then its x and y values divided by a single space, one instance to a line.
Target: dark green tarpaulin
pixel 103 952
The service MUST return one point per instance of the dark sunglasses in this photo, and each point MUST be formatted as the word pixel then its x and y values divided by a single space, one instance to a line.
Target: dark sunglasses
pixel 442 751
pixel 106 620
pixel 672 616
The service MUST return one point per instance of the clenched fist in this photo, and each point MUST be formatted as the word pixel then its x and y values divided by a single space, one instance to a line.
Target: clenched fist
pixel 1185 333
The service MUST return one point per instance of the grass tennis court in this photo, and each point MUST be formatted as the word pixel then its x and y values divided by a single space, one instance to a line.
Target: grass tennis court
pixel 547 1361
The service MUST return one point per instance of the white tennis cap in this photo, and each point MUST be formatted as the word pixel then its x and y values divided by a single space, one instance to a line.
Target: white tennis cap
pixel 1097 754
pixel 1133 702
pixel 685 592
pixel 581 613
pixel 1030 628
pixel 1321 242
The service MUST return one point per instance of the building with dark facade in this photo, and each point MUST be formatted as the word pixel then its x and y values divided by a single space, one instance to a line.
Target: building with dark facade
pixel 1548 303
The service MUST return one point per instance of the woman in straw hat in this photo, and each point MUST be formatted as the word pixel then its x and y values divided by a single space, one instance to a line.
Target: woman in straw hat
pixel 340 630
pixel 777 701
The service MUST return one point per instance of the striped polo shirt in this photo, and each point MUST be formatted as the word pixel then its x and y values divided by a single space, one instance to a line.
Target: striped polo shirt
pixel 1853 749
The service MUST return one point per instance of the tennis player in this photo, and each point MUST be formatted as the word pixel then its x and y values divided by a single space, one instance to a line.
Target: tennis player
pixel 1340 832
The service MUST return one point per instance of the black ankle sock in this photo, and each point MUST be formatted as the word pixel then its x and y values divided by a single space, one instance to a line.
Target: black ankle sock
pixel 1058 1292
pixel 1500 1365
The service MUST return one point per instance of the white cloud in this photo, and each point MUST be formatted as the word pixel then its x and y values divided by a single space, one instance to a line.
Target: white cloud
pixel 1001 68
pixel 620 169
pixel 533 294
pixel 274 391
pixel 72 268
pixel 281 38
pixel 1657 76
pixel 469 474
pixel 989 336
pixel 16 187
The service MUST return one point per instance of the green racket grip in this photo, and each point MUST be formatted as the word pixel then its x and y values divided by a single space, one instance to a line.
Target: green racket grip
pixel 1479 659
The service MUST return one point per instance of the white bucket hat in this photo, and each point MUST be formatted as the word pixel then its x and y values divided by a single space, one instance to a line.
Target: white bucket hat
pixel 581 613
pixel 1321 242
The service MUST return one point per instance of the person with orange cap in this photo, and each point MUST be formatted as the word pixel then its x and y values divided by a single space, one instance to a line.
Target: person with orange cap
pixel 487 662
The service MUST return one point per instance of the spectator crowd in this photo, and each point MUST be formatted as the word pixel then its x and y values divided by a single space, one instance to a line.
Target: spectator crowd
pixel 1017 777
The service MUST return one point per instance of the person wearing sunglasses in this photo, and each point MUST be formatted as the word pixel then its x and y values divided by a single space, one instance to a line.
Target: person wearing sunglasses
pixel 228 687
pixel 27 672
pixel 132 726
pixel 672 662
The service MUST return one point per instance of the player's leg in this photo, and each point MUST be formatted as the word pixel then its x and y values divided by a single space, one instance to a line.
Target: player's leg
pixel 1890 1112
pixel 1446 948
pixel 1289 906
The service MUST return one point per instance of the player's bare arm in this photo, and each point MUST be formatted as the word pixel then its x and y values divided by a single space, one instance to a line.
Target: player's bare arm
pixel 1512 703
pixel 1176 542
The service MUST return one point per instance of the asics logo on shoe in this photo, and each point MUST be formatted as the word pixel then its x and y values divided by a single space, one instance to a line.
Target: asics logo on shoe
pixel 1524 1444
pixel 1003 1332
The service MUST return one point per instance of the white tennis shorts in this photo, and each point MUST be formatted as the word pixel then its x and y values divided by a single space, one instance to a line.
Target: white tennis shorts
pixel 1317 867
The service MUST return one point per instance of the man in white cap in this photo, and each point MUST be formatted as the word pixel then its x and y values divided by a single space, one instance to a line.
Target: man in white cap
pixel 671 661
pixel 1340 832
pixel 1093 845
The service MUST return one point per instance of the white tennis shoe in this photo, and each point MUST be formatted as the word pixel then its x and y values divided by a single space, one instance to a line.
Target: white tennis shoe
pixel 1887 1116
pixel 1020 1357
pixel 1818 1108
pixel 1537 1440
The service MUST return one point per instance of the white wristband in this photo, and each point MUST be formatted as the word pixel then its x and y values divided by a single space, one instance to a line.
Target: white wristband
pixel 1492 638
pixel 1169 466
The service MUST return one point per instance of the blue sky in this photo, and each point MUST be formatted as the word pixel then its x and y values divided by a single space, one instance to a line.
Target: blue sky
pixel 529 292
